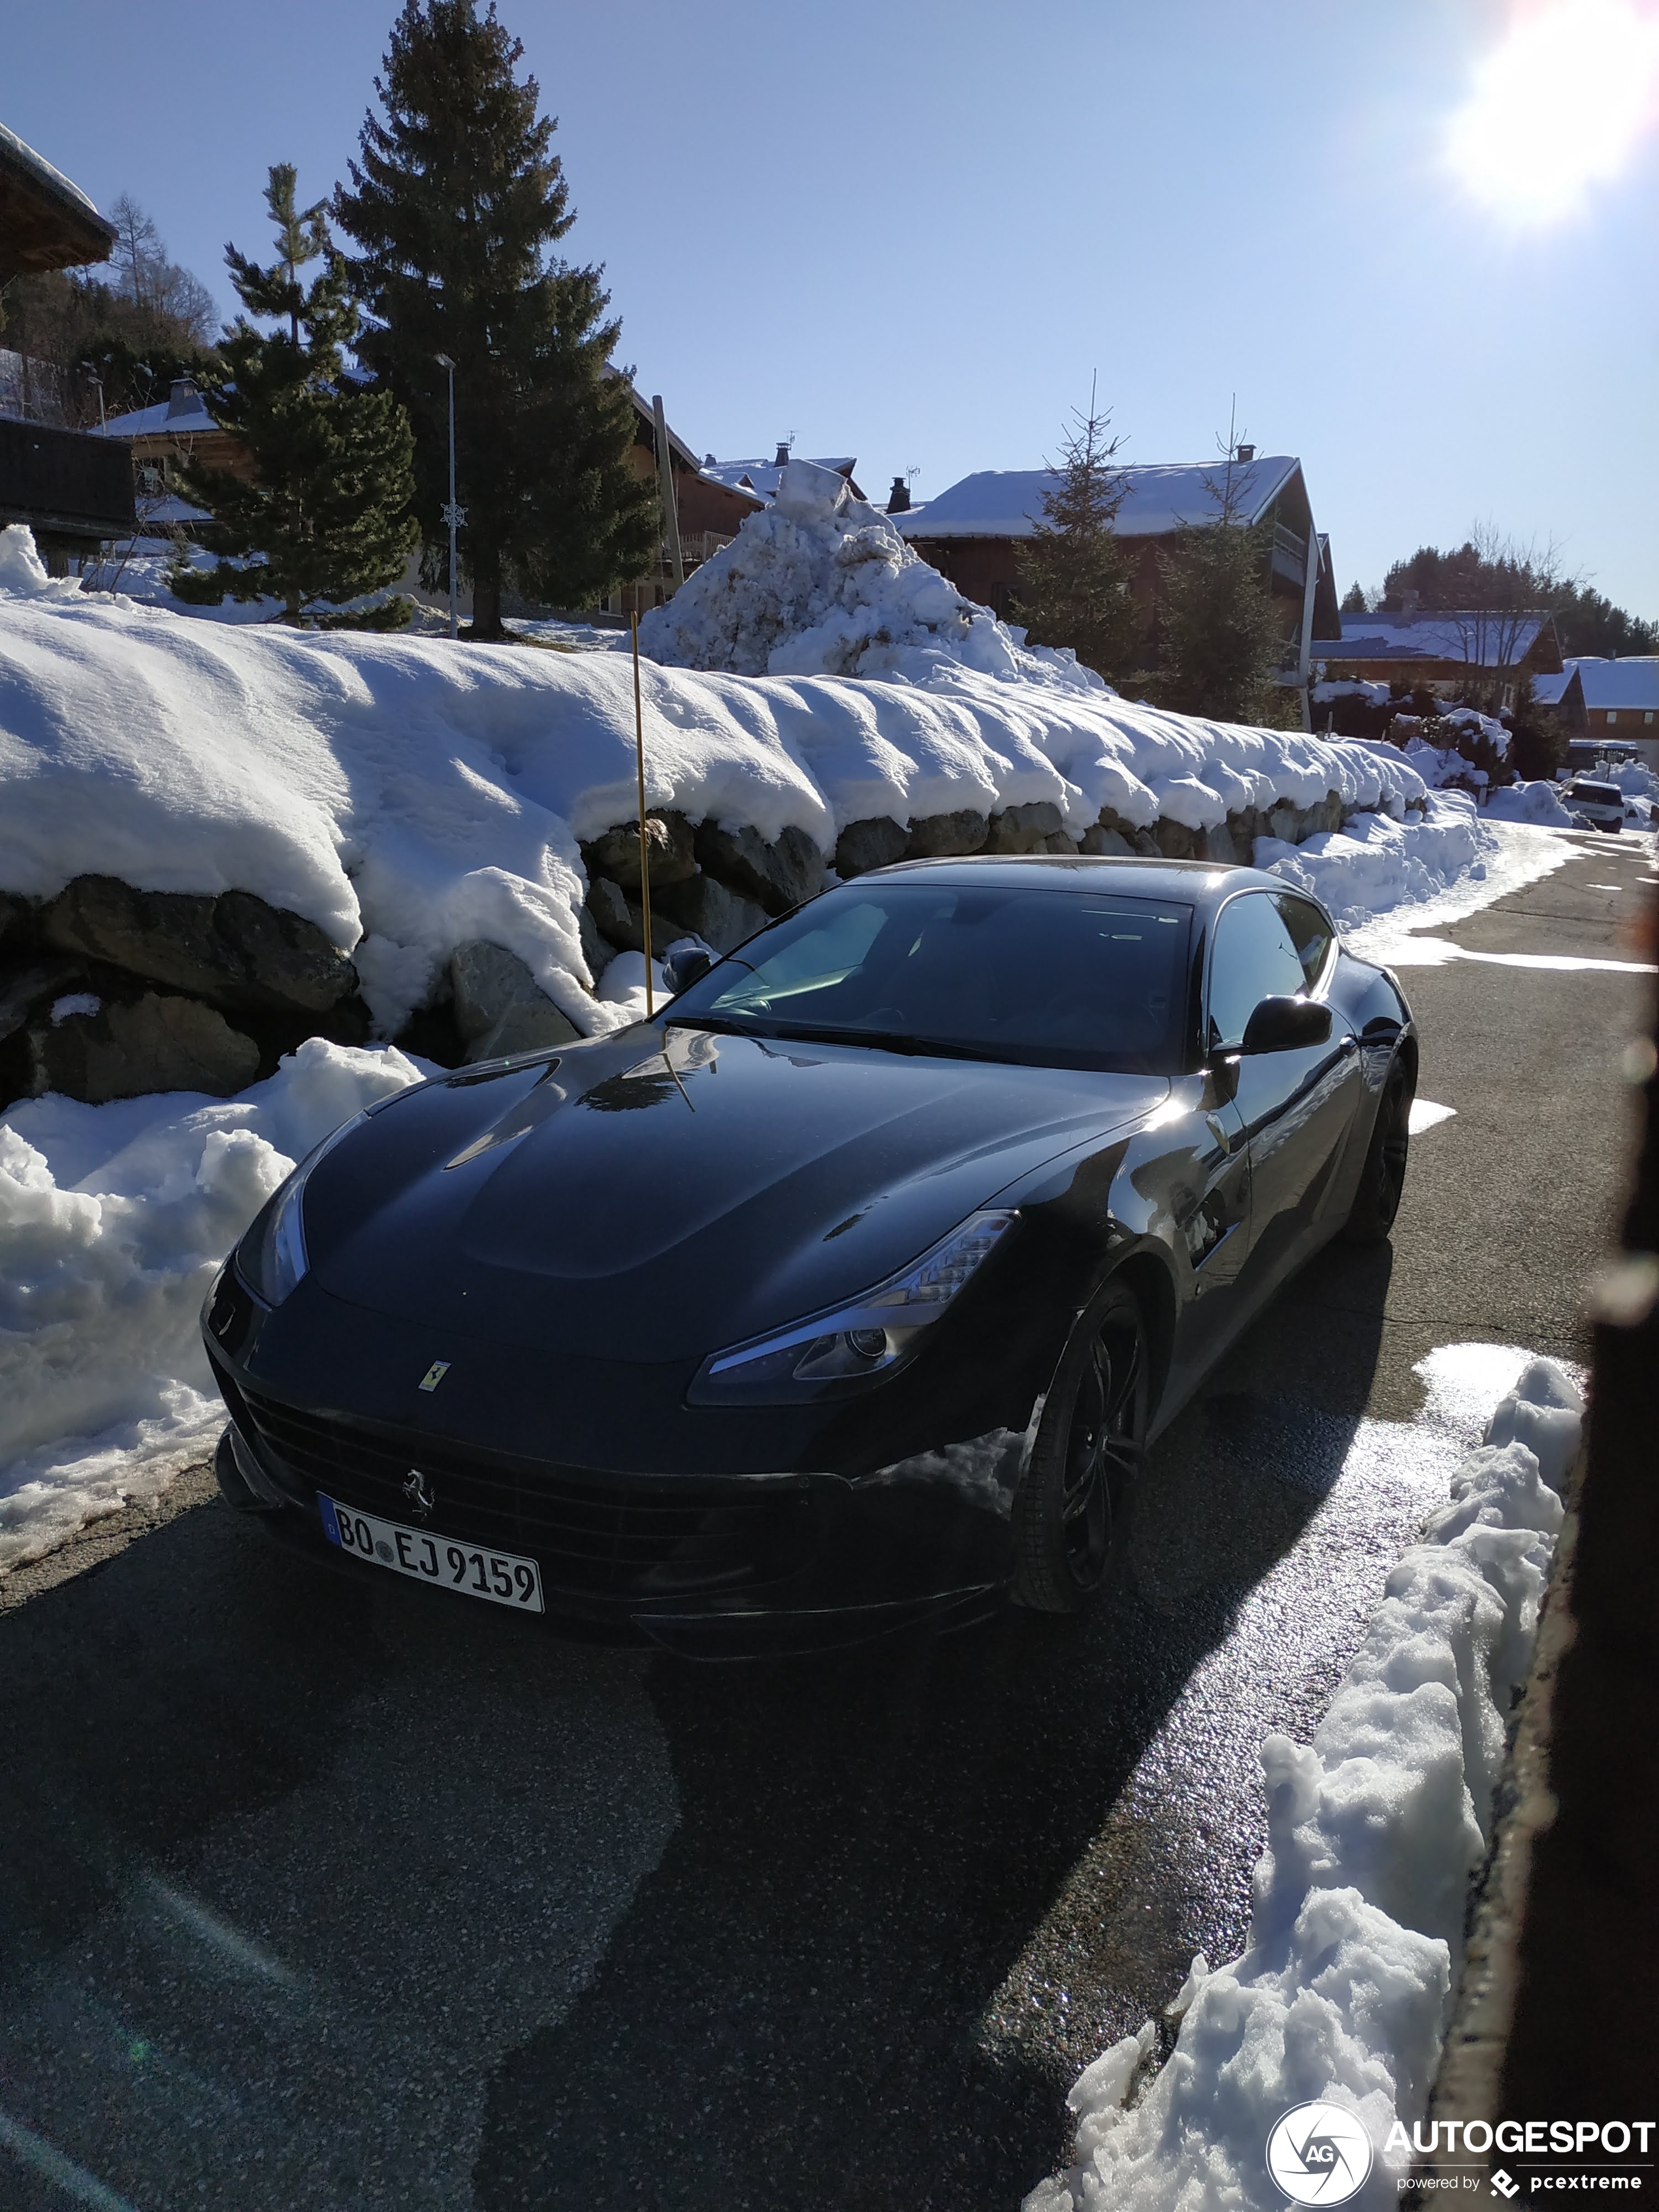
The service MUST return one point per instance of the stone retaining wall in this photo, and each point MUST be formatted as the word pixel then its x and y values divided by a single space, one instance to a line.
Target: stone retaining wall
pixel 109 993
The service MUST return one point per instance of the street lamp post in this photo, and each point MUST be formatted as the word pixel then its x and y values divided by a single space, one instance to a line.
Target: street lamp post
pixel 453 515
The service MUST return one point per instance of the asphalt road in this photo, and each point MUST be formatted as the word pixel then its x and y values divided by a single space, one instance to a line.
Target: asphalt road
pixel 316 1896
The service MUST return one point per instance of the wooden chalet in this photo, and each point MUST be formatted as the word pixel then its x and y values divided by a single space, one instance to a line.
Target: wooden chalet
pixel 973 534
pixel 73 491
pixel 1447 651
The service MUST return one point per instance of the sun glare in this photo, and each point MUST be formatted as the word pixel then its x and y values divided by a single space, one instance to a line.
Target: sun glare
pixel 1559 107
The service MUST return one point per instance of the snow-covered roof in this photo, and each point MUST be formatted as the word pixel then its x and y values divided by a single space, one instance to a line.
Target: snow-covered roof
pixel 1450 635
pixel 1630 683
pixel 25 154
pixel 762 477
pixel 184 421
pixel 1159 497
pixel 167 508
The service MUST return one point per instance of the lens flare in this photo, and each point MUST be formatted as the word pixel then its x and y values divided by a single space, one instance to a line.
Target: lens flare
pixel 1558 107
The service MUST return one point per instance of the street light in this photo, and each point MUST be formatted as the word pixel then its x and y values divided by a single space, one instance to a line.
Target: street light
pixel 453 515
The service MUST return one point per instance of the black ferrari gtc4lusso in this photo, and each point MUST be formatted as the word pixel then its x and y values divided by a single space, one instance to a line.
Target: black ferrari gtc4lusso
pixel 847 1292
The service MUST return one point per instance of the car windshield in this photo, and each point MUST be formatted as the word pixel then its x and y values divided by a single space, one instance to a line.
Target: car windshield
pixel 1065 977
pixel 1597 794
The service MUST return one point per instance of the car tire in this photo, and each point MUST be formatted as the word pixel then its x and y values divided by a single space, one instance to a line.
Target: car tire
pixel 1069 1510
pixel 1382 1178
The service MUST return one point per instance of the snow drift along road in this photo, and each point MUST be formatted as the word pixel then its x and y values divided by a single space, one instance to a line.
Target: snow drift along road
pixel 1374 1830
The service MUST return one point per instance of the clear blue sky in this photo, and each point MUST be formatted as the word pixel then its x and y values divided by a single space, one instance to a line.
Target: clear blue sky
pixel 911 230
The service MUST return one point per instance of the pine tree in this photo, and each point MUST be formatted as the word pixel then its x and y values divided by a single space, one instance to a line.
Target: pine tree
pixel 326 515
pixel 456 206
pixel 1219 639
pixel 1354 601
pixel 1074 577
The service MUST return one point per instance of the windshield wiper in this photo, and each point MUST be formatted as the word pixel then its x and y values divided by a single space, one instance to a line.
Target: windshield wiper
pixel 722 1023
pixel 884 1040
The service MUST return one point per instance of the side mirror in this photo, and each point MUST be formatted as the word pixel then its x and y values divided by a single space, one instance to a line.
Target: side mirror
pixel 684 964
pixel 1285 1024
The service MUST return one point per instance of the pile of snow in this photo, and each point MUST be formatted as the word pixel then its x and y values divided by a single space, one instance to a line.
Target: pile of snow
pixel 821 584
pixel 1323 693
pixel 408 794
pixel 1537 803
pixel 1439 765
pixel 1471 724
pixel 1373 1830
pixel 1374 864
pixel 113 1220
pixel 1634 778
pixel 23 573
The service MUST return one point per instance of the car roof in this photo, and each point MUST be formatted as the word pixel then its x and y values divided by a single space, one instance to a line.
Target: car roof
pixel 1193 883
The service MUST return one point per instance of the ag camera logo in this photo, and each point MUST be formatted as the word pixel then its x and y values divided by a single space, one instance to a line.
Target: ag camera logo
pixel 1320 2153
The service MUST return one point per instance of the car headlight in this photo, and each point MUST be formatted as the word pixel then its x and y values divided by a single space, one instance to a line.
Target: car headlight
pixel 272 1257
pixel 850 1343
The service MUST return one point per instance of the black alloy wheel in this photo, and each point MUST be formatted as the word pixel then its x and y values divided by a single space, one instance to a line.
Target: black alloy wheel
pixel 1383 1179
pixel 1069 1511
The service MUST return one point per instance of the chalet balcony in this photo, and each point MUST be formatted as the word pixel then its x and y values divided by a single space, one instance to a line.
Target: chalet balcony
pixel 1289 555
pixel 696 546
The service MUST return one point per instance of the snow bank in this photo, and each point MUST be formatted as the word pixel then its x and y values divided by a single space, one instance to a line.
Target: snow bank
pixel 1633 777
pixel 23 573
pixel 1373 1830
pixel 1375 865
pixel 407 794
pixel 1537 803
pixel 113 1220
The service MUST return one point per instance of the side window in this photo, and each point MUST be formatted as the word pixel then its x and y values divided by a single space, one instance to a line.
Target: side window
pixel 1310 933
pixel 1254 957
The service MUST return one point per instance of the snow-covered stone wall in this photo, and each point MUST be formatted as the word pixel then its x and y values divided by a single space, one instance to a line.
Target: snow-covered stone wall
pixel 383 803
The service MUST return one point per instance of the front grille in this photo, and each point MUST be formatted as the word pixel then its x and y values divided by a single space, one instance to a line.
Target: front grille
pixel 622 1537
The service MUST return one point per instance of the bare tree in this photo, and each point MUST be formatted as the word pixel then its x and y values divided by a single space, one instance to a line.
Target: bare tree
pixel 1487 595
pixel 1515 581
pixel 138 251
pixel 155 286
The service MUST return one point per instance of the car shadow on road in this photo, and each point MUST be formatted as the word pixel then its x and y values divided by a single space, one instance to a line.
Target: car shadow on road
pixel 819 1998
pixel 911 1891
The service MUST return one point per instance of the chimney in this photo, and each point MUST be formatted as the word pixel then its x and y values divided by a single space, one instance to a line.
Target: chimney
pixel 182 399
pixel 1247 453
pixel 709 462
pixel 782 460
pixel 1409 602
pixel 898 500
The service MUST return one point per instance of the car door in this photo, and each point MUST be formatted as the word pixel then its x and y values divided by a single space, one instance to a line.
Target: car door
pixel 1296 1106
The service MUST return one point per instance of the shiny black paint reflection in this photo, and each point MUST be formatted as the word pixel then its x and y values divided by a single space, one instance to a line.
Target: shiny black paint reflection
pixel 575 1237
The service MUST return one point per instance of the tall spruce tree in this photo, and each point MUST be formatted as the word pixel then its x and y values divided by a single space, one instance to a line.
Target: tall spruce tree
pixel 1074 577
pixel 326 517
pixel 1219 639
pixel 455 207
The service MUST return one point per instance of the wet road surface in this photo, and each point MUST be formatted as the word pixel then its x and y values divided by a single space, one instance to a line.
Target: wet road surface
pixel 313 1895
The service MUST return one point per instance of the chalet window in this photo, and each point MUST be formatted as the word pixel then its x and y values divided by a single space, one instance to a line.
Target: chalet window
pixel 1613 713
pixel 1647 717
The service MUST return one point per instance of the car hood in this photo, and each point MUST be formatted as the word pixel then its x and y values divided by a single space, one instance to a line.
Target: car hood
pixel 706 1189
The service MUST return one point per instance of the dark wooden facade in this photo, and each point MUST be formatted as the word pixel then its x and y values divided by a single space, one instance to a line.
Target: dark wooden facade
pixel 71 488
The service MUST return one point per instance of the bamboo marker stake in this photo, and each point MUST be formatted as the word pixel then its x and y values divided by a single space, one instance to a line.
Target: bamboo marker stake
pixel 645 855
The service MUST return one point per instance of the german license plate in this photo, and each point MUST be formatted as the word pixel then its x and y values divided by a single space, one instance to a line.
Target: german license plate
pixel 502 1577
